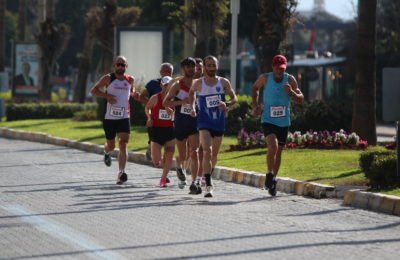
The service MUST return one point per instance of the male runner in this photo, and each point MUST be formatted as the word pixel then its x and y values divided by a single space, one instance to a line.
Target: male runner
pixel 280 88
pixel 211 90
pixel 185 126
pixel 118 88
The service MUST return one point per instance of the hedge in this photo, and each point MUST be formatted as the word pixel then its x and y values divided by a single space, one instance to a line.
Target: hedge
pixel 379 168
pixel 45 110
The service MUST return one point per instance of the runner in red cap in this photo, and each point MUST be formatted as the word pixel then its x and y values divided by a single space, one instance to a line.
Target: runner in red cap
pixel 280 88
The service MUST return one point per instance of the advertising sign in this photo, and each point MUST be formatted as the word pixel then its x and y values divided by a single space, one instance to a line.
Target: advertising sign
pixel 26 73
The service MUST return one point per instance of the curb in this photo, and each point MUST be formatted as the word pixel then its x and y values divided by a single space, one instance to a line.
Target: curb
pixel 351 197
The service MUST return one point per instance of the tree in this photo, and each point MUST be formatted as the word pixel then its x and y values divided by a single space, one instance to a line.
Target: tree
pixel 106 19
pixel 2 33
pixel 364 101
pixel 273 22
pixel 209 17
pixel 52 41
pixel 84 59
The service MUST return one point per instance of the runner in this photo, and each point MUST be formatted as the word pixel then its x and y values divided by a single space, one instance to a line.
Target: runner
pixel 185 126
pixel 280 88
pixel 151 88
pixel 211 90
pixel 159 118
pixel 118 88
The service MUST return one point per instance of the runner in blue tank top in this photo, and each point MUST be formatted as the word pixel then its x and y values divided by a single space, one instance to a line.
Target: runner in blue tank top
pixel 279 89
pixel 211 91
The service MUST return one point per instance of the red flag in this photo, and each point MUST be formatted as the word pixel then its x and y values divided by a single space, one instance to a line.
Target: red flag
pixel 312 39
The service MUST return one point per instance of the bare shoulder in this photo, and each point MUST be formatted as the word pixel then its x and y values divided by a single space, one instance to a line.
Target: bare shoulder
pixel 196 84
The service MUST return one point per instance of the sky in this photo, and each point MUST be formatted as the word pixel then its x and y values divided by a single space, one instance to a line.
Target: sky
pixel 344 9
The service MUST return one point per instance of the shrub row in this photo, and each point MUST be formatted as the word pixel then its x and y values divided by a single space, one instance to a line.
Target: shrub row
pixel 316 116
pixel 379 168
pixel 45 110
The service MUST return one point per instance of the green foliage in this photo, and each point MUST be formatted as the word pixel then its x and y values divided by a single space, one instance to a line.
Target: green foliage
pixel 7 96
pixel 379 168
pixel 321 115
pixel 45 110
pixel 138 116
pixel 11 22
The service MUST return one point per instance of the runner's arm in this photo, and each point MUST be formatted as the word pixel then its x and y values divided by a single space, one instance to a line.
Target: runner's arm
pixel 96 89
pixel 260 82
pixel 294 91
pixel 150 104
pixel 169 98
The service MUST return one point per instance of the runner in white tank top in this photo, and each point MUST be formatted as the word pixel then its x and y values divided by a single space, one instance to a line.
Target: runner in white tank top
pixel 119 87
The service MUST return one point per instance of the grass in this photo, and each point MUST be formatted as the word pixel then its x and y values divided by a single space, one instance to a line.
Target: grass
pixel 332 167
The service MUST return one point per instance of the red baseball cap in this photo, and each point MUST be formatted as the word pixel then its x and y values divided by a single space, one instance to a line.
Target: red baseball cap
pixel 279 61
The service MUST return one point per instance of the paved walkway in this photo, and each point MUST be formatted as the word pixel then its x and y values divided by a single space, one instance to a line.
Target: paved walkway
pixel 61 203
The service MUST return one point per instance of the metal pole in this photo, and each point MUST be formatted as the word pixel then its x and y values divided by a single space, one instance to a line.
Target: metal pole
pixel 398 147
pixel 235 8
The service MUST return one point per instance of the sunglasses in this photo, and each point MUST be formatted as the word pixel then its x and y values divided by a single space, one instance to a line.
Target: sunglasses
pixel 121 65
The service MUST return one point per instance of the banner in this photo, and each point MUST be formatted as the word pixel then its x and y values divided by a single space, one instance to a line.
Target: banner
pixel 26 73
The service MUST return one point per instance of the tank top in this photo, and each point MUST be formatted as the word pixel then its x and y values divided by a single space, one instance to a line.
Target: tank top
pixel 209 116
pixel 276 102
pixel 121 89
pixel 183 118
pixel 159 115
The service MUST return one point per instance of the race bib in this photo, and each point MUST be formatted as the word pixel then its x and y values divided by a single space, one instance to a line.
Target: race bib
pixel 186 109
pixel 117 111
pixel 163 115
pixel 212 101
pixel 277 111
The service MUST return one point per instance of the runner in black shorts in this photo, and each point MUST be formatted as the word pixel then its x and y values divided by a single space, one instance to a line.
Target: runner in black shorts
pixel 162 133
pixel 280 132
pixel 279 90
pixel 119 87
pixel 185 126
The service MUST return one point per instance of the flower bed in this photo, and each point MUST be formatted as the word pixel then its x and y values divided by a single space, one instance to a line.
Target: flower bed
pixel 315 140
pixel 326 140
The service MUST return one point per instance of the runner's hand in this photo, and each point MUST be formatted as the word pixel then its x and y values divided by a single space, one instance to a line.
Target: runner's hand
pixel 257 110
pixel 149 122
pixel 193 113
pixel 223 106
pixel 135 96
pixel 111 99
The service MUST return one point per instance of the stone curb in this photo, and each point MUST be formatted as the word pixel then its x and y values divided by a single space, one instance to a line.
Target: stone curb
pixel 352 197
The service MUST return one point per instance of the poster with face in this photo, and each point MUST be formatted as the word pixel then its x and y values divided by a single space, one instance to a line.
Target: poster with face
pixel 26 73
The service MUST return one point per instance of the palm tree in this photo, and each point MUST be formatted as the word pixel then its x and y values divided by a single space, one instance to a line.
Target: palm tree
pixel 2 33
pixel 273 23
pixel 364 101
pixel 209 17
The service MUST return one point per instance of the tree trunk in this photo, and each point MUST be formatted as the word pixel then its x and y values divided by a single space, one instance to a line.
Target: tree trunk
pixel 84 62
pixel 364 102
pixel 84 66
pixel 106 39
pixel 2 34
pixel 21 20
pixel 45 91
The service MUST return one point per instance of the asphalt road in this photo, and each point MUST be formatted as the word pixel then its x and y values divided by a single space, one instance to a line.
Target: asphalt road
pixel 62 203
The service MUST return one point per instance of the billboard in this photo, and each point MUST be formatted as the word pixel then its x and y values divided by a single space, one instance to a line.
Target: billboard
pixel 26 73
pixel 144 48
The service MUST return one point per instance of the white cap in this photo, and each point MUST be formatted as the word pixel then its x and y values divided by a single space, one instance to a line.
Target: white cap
pixel 165 80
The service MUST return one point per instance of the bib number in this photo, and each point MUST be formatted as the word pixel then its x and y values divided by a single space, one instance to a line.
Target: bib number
pixel 212 101
pixel 117 111
pixel 278 111
pixel 163 115
pixel 186 109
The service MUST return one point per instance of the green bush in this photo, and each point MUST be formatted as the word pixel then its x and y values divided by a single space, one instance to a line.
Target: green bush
pixel 87 115
pixel 379 168
pixel 45 110
pixel 321 115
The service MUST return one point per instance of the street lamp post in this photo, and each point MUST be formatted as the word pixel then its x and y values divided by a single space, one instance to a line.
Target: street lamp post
pixel 235 9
